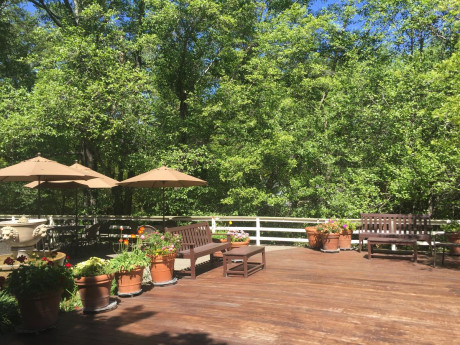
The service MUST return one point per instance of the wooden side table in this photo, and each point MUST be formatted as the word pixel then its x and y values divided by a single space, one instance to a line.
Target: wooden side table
pixel 243 253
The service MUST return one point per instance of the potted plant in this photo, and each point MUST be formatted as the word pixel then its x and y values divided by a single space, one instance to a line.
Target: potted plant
pixel 346 232
pixel 129 265
pixel 314 237
pixel 38 287
pixel 94 281
pixel 330 232
pixel 238 238
pixel 452 232
pixel 162 248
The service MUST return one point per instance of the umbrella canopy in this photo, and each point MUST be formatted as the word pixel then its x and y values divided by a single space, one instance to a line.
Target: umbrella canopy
pixel 160 178
pixel 99 181
pixel 41 169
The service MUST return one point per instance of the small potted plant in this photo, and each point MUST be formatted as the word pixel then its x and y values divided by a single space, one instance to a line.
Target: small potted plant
pixel 129 265
pixel 330 232
pixel 94 281
pixel 452 231
pixel 38 287
pixel 161 249
pixel 347 228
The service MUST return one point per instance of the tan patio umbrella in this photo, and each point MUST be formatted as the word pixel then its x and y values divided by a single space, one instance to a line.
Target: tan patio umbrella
pixel 100 181
pixel 41 169
pixel 160 178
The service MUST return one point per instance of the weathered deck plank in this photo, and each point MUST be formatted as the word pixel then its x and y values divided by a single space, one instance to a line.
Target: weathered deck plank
pixel 303 297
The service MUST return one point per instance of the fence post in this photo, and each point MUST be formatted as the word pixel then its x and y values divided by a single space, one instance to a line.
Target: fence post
pixel 258 231
pixel 213 225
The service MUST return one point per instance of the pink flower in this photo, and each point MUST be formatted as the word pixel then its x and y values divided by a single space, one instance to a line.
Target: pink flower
pixel 344 226
pixel 142 237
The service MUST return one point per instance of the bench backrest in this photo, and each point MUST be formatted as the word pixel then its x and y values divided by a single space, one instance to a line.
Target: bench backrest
pixel 198 234
pixel 402 224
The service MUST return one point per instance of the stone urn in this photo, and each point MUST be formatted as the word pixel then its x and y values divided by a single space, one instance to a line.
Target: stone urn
pixel 23 234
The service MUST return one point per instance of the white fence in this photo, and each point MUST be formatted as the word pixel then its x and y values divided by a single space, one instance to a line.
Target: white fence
pixel 257 227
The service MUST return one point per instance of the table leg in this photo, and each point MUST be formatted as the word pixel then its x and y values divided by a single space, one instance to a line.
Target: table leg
pixel 225 266
pixel 245 266
pixel 369 250
pixel 263 259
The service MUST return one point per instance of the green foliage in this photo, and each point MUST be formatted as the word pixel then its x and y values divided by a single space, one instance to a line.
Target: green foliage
pixel 160 243
pixel 128 260
pixel 9 312
pixel 39 277
pixel 94 266
pixel 285 112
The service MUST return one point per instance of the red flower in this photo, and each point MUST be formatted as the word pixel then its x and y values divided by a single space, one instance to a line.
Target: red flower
pixel 50 263
pixel 67 257
pixel 68 265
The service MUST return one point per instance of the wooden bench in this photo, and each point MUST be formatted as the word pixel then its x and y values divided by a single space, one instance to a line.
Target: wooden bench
pixel 197 242
pixel 243 253
pixel 396 241
pixel 390 226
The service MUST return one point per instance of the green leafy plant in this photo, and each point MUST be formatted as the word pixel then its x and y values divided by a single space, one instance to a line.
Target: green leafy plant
pixel 129 260
pixel 9 312
pixel 451 226
pixel 347 226
pixel 130 254
pixel 38 277
pixel 94 266
pixel 330 227
pixel 162 243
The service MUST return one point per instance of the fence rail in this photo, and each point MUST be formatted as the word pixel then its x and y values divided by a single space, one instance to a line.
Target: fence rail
pixel 258 230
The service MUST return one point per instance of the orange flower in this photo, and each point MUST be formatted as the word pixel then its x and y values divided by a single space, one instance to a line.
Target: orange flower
pixel 126 242
pixel 133 236
pixel 140 231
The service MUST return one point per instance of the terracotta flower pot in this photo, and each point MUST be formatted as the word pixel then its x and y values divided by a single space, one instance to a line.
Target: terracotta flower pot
pixel 129 282
pixel 454 237
pixel 345 240
pixel 40 311
pixel 95 291
pixel 330 241
pixel 314 237
pixel 162 267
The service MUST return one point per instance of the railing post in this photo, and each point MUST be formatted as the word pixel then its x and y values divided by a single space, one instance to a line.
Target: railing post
pixel 258 231
pixel 213 224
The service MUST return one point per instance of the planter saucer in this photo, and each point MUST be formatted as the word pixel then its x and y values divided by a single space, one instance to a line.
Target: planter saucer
pixel 130 294
pixel 169 282
pixel 330 251
pixel 112 305
pixel 347 249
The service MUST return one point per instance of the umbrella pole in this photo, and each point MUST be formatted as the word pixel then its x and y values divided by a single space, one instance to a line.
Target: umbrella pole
pixel 76 206
pixel 163 192
pixel 39 198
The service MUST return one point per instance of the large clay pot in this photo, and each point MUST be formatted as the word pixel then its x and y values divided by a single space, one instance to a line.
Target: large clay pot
pixel 129 282
pixel 314 237
pixel 162 267
pixel 454 237
pixel 345 240
pixel 40 311
pixel 95 291
pixel 330 241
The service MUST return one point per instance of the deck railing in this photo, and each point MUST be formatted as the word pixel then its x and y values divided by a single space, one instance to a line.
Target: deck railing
pixel 260 229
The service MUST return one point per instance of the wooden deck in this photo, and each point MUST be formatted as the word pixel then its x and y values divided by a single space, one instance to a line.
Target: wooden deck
pixel 303 297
